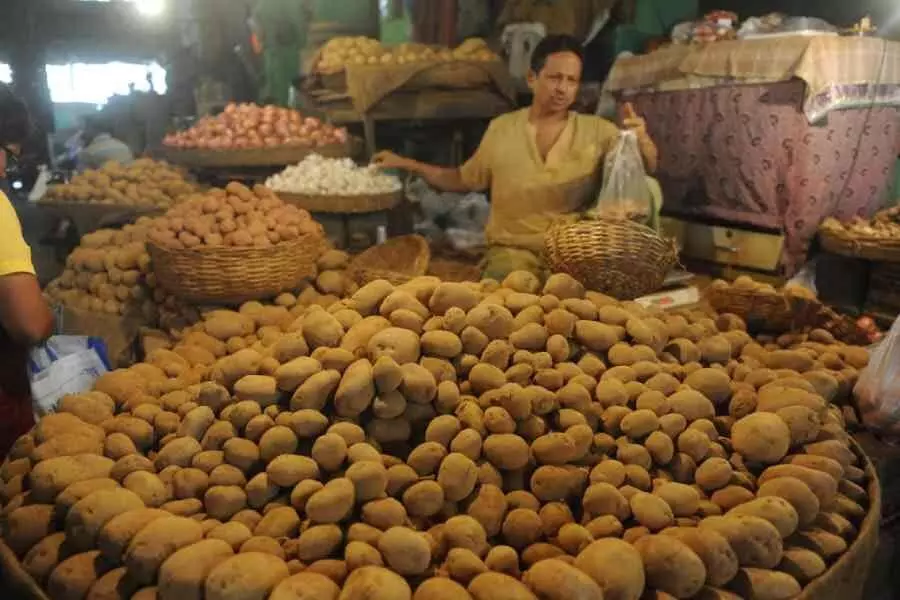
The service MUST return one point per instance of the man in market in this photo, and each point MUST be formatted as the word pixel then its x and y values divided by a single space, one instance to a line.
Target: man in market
pixel 25 317
pixel 100 146
pixel 539 162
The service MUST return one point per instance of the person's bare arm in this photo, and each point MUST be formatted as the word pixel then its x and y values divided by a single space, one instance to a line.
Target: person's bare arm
pixel 445 179
pixel 24 313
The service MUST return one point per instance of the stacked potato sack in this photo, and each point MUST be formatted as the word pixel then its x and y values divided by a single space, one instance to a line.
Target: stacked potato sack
pixel 455 440
pixel 143 183
pixel 235 216
pixel 107 273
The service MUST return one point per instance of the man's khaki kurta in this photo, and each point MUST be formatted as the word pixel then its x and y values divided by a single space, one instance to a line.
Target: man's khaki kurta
pixel 528 193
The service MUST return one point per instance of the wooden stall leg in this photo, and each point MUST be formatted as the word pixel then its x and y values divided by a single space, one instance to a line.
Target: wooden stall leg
pixel 369 133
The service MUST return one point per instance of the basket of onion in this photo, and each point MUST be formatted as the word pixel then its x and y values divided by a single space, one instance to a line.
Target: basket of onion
pixel 251 135
pixel 231 245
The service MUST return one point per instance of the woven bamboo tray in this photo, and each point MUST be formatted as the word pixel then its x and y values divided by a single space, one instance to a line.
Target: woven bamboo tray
pixel 363 203
pixel 869 248
pixel 621 258
pixel 397 260
pixel 227 275
pixel 765 312
pixel 279 156
pixel 90 216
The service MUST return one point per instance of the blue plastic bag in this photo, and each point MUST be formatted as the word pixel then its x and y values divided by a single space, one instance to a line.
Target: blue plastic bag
pixel 63 365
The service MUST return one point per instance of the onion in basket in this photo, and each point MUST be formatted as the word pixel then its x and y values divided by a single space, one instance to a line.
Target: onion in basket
pixel 317 175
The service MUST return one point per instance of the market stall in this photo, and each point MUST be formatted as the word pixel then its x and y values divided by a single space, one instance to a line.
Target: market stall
pixel 367 84
pixel 772 133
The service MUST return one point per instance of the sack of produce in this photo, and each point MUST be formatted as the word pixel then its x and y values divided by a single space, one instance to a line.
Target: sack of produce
pixel 625 193
pixel 878 390
pixel 64 364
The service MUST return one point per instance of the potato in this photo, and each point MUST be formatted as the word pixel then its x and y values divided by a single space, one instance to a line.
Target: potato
pixel 439 588
pixel 316 390
pixel 261 389
pixel 27 525
pixel 765 584
pixel 556 580
pixel 288 470
pixel 775 510
pixel 184 573
pixel 281 522
pixel 306 586
pixel 457 476
pixel 713 549
pixel 821 484
pixel 616 566
pixel 233 533
pixel 405 551
pixel 369 479
pixel 333 503
pixel 250 575
pixel 651 511
pixel 506 451
pixel 74 576
pixel 683 499
pixel 671 566
pixel 692 405
pixel 362 583
pixel 53 475
pixel 761 437
pixel 158 540
pixel 88 516
pixel 802 564
pixel 277 441
pixel 496 586
pixel 756 542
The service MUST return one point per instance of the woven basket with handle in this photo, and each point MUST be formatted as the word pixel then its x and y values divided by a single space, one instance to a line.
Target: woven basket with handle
pixel 397 260
pixel 231 275
pixel 617 257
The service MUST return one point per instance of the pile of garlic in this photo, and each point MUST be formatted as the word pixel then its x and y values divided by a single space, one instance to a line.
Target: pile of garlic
pixel 317 175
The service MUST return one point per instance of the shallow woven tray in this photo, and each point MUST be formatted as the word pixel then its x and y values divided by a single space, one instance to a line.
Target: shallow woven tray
pixel 397 260
pixel 869 248
pixel 279 156
pixel 363 203
pixel 227 275
pixel 620 258
pixel 765 312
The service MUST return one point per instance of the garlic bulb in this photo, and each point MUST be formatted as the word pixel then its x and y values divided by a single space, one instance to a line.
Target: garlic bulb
pixel 317 175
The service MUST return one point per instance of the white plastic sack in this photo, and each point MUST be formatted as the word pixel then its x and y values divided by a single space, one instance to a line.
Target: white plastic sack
pixel 625 193
pixel 878 390
pixel 519 41
pixel 64 364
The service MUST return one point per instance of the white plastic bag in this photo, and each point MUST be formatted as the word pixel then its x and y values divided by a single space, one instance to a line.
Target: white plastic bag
pixel 878 390
pixel 625 193
pixel 64 364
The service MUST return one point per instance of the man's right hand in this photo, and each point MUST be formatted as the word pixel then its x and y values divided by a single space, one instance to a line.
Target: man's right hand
pixel 388 160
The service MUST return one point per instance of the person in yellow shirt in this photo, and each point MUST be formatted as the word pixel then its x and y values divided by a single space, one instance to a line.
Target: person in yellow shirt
pixel 540 163
pixel 25 317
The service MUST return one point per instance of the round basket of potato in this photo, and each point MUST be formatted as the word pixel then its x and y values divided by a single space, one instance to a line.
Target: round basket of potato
pixel 234 244
pixel 452 440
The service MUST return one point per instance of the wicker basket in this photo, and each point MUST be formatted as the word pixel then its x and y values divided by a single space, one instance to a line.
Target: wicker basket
pixel 854 246
pixel 847 577
pixel 278 156
pixel 398 260
pixel 620 258
pixel 765 312
pixel 229 275
pixel 363 203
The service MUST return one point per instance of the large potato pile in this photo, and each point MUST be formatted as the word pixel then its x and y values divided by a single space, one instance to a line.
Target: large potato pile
pixel 341 52
pixel 234 216
pixel 446 440
pixel 143 183
pixel 107 272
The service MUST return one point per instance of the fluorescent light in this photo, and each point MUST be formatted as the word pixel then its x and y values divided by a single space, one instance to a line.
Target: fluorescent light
pixel 150 8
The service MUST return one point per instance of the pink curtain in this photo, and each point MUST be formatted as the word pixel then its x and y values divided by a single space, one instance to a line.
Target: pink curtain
pixel 746 154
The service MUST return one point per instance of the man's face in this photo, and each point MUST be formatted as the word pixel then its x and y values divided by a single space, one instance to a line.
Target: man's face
pixel 555 87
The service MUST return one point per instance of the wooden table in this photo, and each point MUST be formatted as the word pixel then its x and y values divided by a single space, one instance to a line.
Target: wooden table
pixel 429 105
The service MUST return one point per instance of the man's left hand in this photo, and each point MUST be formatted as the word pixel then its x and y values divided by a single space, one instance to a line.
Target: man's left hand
pixel 634 122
